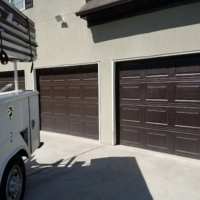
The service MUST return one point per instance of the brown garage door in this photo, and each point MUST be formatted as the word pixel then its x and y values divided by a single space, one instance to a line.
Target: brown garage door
pixel 8 77
pixel 69 100
pixel 159 104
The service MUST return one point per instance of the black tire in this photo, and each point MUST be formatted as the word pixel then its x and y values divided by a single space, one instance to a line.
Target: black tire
pixel 15 163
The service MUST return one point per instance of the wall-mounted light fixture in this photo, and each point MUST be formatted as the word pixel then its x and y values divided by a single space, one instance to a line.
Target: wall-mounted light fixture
pixel 60 18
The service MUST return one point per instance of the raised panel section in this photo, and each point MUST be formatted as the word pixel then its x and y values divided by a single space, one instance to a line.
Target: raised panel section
pixel 188 66
pixel 90 76
pixel 129 135
pixel 187 93
pixel 3 83
pixel 91 111
pixel 130 92
pixel 157 93
pixel 159 72
pixel 59 78
pixel 45 78
pixel 188 119
pixel 130 114
pixel 74 127
pixel 47 124
pixel 91 129
pixel 75 110
pixel 46 108
pixel 74 92
pixel 157 68
pixel 157 139
pixel 59 92
pixel 73 77
pixel 187 143
pixel 156 116
pixel 91 92
pixel 21 79
pixel 130 74
pixel 60 109
pixel 45 92
pixel 60 125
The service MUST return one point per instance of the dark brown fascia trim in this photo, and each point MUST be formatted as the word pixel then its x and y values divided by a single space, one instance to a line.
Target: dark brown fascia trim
pixel 90 11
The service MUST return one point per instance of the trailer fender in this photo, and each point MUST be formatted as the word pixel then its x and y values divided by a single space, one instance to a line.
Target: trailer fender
pixel 21 150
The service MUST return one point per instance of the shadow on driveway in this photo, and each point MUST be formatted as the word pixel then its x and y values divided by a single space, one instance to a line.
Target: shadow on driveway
pixel 111 178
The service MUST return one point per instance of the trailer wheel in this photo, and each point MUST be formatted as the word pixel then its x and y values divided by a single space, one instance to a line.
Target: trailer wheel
pixel 13 180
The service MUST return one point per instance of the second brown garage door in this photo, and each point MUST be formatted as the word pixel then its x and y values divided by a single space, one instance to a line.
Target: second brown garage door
pixel 69 100
pixel 158 104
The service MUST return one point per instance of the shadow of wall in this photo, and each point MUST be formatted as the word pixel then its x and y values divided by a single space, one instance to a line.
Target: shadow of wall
pixel 112 178
pixel 156 21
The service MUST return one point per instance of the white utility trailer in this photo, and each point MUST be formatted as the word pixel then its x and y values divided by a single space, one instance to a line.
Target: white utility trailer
pixel 19 137
pixel 19 110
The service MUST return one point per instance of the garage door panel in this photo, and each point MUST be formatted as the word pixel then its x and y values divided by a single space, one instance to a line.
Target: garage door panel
pixel 69 100
pixel 147 138
pixel 46 108
pixel 60 125
pixel 187 118
pixel 73 77
pixel 90 77
pixel 130 114
pixel 60 109
pixel 159 104
pixel 58 78
pixel 47 124
pixel 45 77
pixel 59 92
pixel 192 91
pixel 130 74
pixel 21 85
pixel 71 117
pixel 167 118
pixel 90 92
pixel 156 92
pixel 157 139
pixel 154 70
pixel 91 111
pixel 130 92
pixel 75 127
pixel 144 115
pixel 91 129
pixel 46 92
pixel 188 66
pixel 75 110
pixel 187 143
pixel 131 136
pixel 78 101
pixel 74 92
pixel 156 73
pixel 157 116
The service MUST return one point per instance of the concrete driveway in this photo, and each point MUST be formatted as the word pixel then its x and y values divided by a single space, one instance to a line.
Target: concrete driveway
pixel 72 168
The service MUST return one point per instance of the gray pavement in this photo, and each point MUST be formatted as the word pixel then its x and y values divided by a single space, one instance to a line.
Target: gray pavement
pixel 72 168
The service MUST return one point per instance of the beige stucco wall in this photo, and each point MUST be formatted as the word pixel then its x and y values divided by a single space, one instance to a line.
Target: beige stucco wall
pixel 164 32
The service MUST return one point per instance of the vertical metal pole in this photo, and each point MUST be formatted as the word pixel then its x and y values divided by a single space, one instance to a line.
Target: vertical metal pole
pixel 16 77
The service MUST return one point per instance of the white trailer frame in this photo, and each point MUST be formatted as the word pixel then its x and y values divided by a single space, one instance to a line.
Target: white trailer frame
pixel 19 135
pixel 19 110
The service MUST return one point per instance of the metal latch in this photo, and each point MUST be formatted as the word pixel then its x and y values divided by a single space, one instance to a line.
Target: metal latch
pixel 33 124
